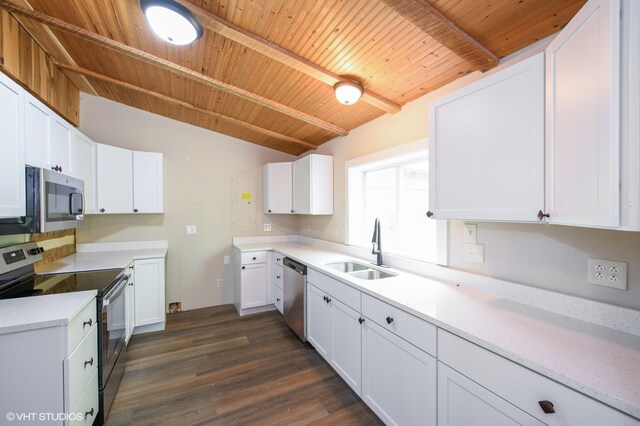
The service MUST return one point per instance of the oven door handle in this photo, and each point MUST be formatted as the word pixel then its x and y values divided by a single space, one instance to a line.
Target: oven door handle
pixel 118 289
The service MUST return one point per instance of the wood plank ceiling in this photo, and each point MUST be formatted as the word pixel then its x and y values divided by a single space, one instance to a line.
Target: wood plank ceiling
pixel 264 69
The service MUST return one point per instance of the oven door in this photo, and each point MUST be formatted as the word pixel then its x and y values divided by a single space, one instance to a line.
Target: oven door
pixel 113 327
pixel 62 201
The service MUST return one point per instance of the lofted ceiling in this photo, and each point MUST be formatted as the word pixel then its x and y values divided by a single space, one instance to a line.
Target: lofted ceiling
pixel 264 69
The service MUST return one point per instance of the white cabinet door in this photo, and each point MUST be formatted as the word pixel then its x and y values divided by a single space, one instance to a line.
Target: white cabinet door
pixel 462 402
pixel 12 150
pixel 253 278
pixel 129 305
pixel 313 185
pixel 114 179
pixel 148 186
pixel 319 321
pixel 149 291
pixel 398 379
pixel 84 167
pixel 38 118
pixel 486 147
pixel 61 145
pixel 276 188
pixel 583 133
pixel 346 344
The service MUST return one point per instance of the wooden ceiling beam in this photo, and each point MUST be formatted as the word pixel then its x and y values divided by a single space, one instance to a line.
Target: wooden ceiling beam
pixel 439 27
pixel 92 74
pixel 280 54
pixel 132 52
pixel 52 46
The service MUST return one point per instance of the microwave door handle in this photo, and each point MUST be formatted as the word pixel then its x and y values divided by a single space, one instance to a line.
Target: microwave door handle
pixel 78 211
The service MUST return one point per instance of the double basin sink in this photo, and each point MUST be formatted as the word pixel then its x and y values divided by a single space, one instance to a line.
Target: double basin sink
pixel 359 270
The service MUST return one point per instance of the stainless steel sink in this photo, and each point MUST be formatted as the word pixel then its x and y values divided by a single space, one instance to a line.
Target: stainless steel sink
pixel 372 274
pixel 347 266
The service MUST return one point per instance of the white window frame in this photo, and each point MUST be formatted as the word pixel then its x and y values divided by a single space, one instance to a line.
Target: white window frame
pixel 393 156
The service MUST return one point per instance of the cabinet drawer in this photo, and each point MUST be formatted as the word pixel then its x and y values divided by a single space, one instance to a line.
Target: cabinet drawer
pixel 279 303
pixel 87 409
pixel 254 257
pixel 80 326
pixel 525 388
pixel 339 290
pixel 278 274
pixel 81 365
pixel 277 258
pixel 411 328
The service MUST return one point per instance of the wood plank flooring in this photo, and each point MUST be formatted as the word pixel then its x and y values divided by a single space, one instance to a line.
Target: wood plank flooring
pixel 213 367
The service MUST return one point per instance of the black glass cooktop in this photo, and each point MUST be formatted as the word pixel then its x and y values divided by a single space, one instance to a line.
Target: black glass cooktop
pixel 26 283
pixel 79 281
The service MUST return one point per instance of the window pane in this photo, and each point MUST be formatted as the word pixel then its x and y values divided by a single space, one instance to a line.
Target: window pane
pixel 397 192
pixel 380 201
pixel 413 225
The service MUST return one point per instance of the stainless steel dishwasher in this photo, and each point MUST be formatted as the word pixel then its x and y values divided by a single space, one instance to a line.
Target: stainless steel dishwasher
pixel 294 306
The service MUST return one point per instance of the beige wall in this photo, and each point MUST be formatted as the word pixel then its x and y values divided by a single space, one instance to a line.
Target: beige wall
pixel 552 257
pixel 198 167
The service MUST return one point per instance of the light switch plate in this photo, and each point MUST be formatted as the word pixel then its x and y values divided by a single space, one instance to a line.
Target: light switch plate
pixel 608 273
pixel 470 232
pixel 192 230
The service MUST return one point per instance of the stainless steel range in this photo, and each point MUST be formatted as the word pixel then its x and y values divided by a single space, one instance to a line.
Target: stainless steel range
pixel 18 279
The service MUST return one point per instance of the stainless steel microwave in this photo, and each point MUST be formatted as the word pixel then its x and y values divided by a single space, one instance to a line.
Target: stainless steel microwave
pixel 54 202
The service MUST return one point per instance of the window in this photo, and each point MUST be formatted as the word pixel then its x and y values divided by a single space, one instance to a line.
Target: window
pixel 394 189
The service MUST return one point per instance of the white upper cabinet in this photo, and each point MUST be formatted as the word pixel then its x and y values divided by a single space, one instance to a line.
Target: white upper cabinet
pixel 486 147
pixel 129 181
pixel 12 156
pixel 304 186
pixel 582 113
pixel 84 167
pixel 148 188
pixel 37 132
pixel 62 145
pixel 313 185
pixel 115 179
pixel 48 137
pixel 277 187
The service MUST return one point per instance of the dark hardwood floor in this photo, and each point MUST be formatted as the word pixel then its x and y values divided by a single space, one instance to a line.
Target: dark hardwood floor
pixel 212 367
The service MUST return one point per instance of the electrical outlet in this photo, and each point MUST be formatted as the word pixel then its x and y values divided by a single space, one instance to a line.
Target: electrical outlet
pixel 267 227
pixel 220 283
pixel 309 229
pixel 470 233
pixel 225 260
pixel 474 252
pixel 334 232
pixel 608 273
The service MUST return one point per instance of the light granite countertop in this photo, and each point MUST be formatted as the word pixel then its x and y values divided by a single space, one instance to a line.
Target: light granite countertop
pixel 598 361
pixel 30 313
pixel 93 261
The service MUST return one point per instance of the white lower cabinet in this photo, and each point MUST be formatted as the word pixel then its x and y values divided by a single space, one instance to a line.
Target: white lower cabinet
pixel 252 286
pixel 149 294
pixel 515 389
pixel 129 305
pixel 62 377
pixel 334 330
pixel 318 321
pixel 398 379
pixel 463 402
pixel 346 343
pixel 393 377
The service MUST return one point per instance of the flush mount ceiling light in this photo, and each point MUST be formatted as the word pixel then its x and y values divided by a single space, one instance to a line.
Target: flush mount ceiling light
pixel 171 21
pixel 348 92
